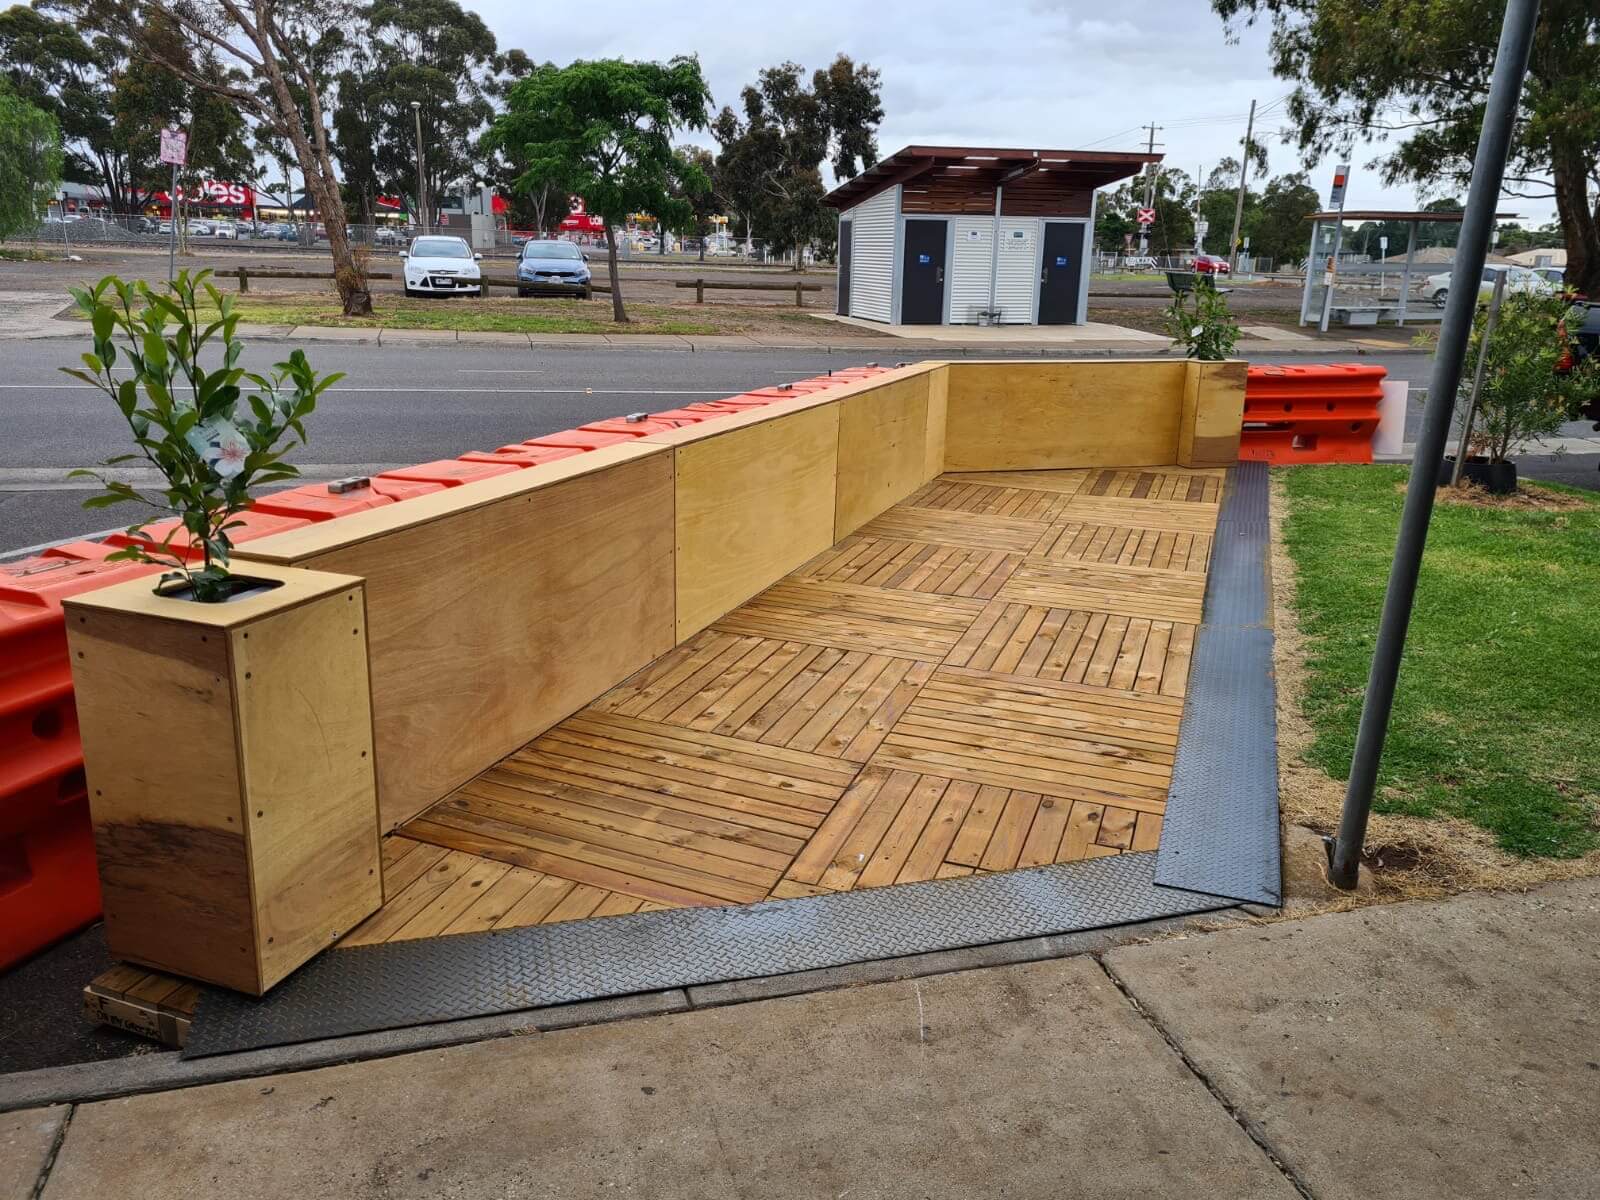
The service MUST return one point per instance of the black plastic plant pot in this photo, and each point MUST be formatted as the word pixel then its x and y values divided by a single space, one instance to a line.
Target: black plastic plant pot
pixel 1496 478
pixel 234 587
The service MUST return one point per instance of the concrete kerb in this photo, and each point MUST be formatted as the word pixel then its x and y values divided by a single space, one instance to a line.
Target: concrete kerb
pixel 167 1071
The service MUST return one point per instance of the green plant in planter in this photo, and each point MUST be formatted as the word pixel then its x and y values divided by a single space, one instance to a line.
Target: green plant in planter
pixel 1524 396
pixel 1205 329
pixel 209 435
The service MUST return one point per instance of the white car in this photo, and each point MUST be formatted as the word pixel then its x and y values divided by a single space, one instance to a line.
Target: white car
pixel 226 229
pixel 437 266
pixel 1518 279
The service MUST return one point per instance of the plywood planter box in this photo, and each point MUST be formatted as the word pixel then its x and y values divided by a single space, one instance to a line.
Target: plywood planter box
pixel 230 764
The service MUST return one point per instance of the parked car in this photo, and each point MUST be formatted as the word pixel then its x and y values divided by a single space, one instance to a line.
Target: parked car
pixel 1210 264
pixel 1555 275
pixel 1518 279
pixel 164 227
pixel 288 232
pixel 200 228
pixel 225 229
pixel 441 265
pixel 383 235
pixel 551 267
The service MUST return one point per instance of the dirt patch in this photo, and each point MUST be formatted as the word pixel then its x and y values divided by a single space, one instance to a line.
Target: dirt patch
pixel 1529 497
pixel 1407 858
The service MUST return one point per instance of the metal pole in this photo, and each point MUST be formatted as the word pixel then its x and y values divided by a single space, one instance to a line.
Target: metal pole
pixel 1328 284
pixel 1311 266
pixel 422 201
pixel 1405 274
pixel 1511 62
pixel 1238 202
pixel 1489 323
pixel 172 229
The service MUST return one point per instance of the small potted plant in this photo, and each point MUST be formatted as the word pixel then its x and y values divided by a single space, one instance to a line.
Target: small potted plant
pixel 1526 393
pixel 213 433
pixel 1205 329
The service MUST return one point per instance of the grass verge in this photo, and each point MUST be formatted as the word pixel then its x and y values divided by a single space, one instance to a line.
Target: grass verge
pixel 1495 722
pixel 471 316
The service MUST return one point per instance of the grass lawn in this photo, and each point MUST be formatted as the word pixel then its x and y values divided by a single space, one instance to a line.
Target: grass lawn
pixel 476 316
pixel 1497 719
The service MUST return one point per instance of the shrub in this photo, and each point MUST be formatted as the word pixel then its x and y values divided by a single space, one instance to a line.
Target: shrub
pixel 210 440
pixel 1205 329
pixel 1524 396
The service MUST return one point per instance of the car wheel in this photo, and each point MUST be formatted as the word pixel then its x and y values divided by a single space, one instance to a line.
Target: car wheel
pixel 1441 297
pixel 409 292
pixel 524 293
pixel 586 293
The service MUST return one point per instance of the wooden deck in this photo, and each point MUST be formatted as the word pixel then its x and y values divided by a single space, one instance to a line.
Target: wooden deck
pixel 988 676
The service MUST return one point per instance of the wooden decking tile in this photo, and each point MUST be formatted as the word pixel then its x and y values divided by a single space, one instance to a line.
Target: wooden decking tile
pixel 1202 486
pixel 1074 541
pixel 1120 591
pixel 850 617
pixel 1177 515
pixel 1065 482
pixel 897 564
pixel 908 523
pixel 968 496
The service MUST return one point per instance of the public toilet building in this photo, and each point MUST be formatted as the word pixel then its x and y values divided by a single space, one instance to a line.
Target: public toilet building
pixel 961 235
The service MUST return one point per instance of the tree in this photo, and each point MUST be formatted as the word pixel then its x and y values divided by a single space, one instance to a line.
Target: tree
pixel 770 167
pixel 543 206
pixel 444 58
pixel 269 41
pixel 604 130
pixel 695 162
pixel 1417 73
pixel 1279 229
pixel 109 110
pixel 30 162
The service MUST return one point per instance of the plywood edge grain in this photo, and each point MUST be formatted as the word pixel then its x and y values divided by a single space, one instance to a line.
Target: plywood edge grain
pixel 136 597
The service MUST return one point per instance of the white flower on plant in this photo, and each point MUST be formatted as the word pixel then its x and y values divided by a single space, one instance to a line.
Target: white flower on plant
pixel 225 448
pixel 1197 331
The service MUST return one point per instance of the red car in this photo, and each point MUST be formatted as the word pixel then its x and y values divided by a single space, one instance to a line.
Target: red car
pixel 1210 264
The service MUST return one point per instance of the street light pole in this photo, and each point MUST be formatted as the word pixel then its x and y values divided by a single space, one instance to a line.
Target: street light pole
pixel 422 199
pixel 1494 139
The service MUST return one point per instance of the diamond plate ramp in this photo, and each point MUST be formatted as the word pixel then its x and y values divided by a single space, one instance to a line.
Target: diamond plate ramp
pixel 1220 832
pixel 397 984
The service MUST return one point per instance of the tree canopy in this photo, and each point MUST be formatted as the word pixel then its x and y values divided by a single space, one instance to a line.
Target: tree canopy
pixel 30 162
pixel 1415 73
pixel 603 129
pixel 770 167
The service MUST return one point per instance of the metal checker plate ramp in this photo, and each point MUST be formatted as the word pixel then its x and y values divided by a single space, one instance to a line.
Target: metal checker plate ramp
pixel 1220 832
pixel 397 984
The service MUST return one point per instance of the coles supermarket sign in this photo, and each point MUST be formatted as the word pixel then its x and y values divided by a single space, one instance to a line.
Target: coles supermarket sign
pixel 216 191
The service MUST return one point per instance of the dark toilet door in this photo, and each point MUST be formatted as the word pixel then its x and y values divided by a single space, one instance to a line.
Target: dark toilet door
pixel 1061 273
pixel 922 276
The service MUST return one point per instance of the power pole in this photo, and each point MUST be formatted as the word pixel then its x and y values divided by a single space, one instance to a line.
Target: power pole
pixel 1238 203
pixel 1149 186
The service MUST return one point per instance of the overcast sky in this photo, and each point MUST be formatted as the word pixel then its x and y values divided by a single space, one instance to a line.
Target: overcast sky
pixel 1057 74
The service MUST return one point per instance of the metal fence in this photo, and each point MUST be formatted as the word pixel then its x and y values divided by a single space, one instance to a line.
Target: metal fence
pixel 72 232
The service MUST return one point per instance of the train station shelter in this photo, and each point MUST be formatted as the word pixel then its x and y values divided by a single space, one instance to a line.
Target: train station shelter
pixel 964 235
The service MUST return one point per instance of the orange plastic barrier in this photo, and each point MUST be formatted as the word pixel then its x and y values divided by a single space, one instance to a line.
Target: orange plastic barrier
pixel 451 472
pixel 520 455
pixel 654 423
pixel 242 528
pixel 580 439
pixel 403 489
pixel 315 502
pixel 1311 414
pixel 48 885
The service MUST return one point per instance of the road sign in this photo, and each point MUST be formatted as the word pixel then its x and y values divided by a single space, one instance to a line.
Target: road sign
pixel 1383 245
pixel 1145 216
pixel 174 147
pixel 1341 174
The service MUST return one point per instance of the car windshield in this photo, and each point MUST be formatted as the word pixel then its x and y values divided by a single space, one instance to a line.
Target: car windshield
pixel 550 250
pixel 438 247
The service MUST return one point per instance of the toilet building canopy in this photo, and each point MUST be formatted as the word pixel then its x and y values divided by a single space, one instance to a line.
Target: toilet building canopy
pixel 963 179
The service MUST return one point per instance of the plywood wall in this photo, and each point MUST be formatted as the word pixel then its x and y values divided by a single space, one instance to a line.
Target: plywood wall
pixel 492 620
pixel 1213 414
pixel 1017 416
pixel 883 449
pixel 753 503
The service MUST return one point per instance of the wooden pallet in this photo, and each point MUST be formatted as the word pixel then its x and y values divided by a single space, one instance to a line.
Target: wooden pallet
pixel 986 677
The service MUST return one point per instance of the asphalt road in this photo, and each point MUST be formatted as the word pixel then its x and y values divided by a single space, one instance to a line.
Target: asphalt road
pixel 404 405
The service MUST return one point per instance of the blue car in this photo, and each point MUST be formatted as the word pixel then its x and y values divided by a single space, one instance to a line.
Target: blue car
pixel 552 268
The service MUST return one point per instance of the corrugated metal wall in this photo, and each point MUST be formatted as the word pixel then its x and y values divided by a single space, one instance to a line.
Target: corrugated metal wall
pixel 872 256
pixel 1017 279
pixel 972 259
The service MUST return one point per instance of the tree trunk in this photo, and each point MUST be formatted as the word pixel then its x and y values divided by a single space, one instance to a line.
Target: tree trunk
pixel 617 312
pixel 1570 172
pixel 799 256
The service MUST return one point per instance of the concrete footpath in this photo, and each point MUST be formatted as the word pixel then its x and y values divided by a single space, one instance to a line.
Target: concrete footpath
pixel 1445 1049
